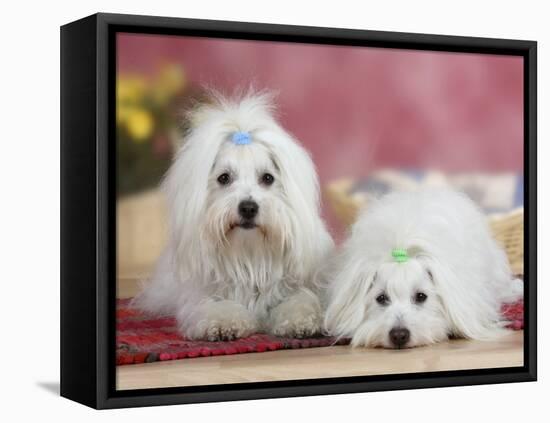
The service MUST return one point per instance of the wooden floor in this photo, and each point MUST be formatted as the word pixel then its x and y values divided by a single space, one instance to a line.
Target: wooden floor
pixel 314 363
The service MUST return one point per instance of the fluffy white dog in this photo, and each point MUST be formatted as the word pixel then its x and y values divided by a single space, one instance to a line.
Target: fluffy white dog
pixel 245 234
pixel 418 268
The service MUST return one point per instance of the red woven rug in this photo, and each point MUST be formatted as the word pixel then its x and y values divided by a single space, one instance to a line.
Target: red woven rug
pixel 140 339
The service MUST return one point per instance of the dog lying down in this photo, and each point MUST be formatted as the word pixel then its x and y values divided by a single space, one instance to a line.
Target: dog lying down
pixel 418 268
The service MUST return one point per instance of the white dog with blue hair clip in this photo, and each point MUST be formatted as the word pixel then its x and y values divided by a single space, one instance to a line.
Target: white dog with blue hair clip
pixel 418 268
pixel 245 234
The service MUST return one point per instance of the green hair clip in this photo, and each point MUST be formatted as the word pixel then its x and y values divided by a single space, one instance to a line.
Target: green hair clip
pixel 400 255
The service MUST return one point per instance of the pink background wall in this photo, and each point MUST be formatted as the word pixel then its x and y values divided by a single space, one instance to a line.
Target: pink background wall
pixel 356 108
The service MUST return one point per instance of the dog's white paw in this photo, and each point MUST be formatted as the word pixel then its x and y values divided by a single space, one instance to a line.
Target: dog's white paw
pixel 293 319
pixel 227 330
pixel 222 321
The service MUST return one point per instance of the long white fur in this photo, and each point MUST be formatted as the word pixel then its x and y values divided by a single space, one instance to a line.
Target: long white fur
pixel 223 283
pixel 453 260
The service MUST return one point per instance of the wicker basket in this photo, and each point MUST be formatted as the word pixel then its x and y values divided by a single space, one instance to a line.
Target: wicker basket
pixel 507 228
pixel 141 233
pixel 344 203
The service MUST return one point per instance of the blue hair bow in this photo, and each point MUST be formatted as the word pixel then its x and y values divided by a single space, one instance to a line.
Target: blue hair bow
pixel 241 138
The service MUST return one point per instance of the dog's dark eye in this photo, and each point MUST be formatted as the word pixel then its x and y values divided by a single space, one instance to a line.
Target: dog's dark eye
pixel 267 179
pixel 420 297
pixel 382 299
pixel 224 179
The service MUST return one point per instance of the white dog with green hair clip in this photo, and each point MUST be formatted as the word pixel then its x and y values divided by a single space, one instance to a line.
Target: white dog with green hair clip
pixel 418 268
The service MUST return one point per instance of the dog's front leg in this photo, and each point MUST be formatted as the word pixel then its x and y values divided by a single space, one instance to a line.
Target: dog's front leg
pixel 216 321
pixel 298 316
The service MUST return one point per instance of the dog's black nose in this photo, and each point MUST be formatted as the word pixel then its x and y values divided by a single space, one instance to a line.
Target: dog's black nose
pixel 248 209
pixel 399 336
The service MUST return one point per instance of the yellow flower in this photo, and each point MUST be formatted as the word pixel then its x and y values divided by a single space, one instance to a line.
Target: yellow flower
pixel 123 112
pixel 130 88
pixel 140 124
pixel 169 81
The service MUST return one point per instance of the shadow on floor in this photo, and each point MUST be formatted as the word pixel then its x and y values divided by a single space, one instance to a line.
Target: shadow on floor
pixel 51 387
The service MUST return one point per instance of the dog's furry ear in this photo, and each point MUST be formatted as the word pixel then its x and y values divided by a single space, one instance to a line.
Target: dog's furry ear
pixel 469 313
pixel 310 238
pixel 347 293
pixel 185 186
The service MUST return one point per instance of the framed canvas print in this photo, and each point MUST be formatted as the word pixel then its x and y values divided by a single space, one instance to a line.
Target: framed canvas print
pixel 258 211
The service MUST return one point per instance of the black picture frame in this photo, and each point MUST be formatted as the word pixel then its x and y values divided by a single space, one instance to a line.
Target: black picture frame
pixel 88 219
